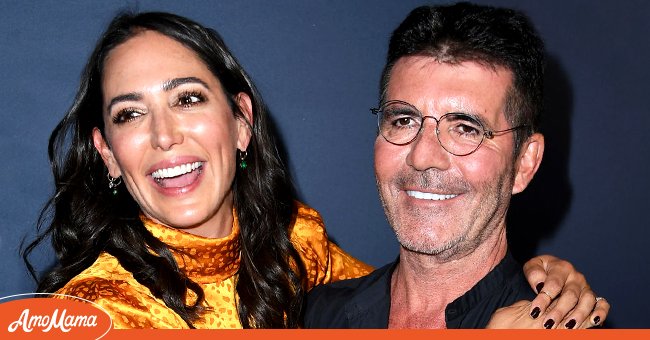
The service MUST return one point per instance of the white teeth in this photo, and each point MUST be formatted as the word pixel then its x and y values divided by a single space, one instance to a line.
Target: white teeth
pixel 429 196
pixel 176 171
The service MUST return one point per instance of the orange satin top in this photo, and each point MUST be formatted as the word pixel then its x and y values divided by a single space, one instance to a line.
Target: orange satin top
pixel 213 264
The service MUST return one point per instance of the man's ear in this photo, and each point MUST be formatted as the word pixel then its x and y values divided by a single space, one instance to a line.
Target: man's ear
pixel 107 155
pixel 528 161
pixel 245 123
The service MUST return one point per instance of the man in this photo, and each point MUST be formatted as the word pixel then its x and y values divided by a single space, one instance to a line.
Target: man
pixel 461 95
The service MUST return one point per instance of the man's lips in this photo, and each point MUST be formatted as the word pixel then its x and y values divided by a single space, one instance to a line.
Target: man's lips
pixel 429 195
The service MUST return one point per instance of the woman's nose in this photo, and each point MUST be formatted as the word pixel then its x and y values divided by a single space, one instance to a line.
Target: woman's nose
pixel 165 130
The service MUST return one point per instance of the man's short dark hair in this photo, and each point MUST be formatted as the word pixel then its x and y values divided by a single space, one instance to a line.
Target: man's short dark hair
pixel 494 37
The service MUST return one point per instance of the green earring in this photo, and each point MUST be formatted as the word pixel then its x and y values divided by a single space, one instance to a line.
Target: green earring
pixel 113 183
pixel 242 159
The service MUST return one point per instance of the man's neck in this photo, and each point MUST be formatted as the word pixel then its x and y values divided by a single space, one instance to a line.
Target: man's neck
pixel 423 285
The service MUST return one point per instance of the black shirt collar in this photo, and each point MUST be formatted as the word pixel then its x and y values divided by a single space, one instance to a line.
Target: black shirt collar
pixel 371 307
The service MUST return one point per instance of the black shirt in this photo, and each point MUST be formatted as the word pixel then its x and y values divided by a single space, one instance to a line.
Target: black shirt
pixel 365 302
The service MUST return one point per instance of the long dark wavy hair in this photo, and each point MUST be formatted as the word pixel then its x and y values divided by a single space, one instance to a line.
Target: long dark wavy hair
pixel 85 218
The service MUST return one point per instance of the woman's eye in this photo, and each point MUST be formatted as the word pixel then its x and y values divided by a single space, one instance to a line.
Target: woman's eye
pixel 126 115
pixel 190 99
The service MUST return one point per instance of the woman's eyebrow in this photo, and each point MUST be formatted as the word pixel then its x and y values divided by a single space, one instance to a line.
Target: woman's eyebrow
pixel 133 96
pixel 176 82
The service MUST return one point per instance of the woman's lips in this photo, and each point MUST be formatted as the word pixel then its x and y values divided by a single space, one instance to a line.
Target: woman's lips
pixel 178 176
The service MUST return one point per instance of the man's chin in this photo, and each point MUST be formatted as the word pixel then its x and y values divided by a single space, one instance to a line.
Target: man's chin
pixel 427 246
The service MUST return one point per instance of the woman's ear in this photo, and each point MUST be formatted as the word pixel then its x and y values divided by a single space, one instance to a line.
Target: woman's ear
pixel 107 155
pixel 245 121
pixel 528 161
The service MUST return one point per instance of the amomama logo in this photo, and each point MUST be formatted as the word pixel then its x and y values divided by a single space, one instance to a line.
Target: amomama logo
pixel 23 316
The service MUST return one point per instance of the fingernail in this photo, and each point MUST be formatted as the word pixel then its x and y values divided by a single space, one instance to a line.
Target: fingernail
pixel 549 323
pixel 539 287
pixel 535 312
pixel 570 324
pixel 596 320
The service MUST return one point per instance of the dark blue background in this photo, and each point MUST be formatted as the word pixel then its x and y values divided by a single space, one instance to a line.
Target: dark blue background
pixel 317 64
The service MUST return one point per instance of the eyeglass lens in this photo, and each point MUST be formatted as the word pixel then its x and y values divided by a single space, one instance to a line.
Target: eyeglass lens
pixel 458 133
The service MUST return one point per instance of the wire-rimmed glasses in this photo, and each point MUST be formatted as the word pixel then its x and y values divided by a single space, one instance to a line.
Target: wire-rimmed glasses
pixel 458 133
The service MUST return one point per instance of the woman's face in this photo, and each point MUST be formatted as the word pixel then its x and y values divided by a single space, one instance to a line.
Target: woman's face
pixel 170 133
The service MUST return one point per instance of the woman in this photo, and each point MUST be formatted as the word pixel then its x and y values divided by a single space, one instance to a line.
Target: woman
pixel 168 129
pixel 172 207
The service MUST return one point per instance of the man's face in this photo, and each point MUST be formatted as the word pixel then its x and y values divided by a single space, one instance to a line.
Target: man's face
pixel 436 202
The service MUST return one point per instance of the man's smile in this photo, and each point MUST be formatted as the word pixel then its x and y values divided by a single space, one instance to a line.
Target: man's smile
pixel 429 195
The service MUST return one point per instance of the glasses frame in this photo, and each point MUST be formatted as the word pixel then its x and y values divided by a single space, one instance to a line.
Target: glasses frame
pixel 487 133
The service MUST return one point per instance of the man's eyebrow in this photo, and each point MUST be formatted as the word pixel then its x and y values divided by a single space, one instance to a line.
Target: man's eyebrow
pixel 176 82
pixel 474 113
pixel 476 116
pixel 133 96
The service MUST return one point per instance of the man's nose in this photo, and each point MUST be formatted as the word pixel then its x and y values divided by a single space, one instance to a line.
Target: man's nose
pixel 426 151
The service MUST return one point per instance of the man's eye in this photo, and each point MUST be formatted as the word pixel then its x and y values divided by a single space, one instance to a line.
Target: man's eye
pixel 126 115
pixel 403 122
pixel 465 130
pixel 399 118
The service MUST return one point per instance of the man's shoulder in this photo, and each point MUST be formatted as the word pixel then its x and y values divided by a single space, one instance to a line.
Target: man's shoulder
pixel 349 287
pixel 333 305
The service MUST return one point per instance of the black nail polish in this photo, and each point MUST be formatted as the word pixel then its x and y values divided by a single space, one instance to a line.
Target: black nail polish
pixel 549 323
pixel 570 324
pixel 539 287
pixel 535 312
pixel 596 320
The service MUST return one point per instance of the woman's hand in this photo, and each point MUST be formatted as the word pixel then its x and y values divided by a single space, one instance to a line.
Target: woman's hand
pixel 516 316
pixel 564 298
